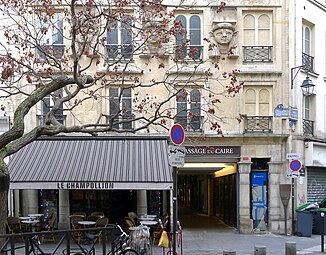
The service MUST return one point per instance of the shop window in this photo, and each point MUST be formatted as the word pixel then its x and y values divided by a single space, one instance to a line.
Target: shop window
pixel 48 204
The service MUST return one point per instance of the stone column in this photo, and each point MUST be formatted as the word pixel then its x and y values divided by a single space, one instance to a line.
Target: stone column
pixel 245 223
pixel 30 201
pixel 64 212
pixel 141 202
pixel 275 206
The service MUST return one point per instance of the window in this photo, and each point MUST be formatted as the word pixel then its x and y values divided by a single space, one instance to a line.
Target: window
pixel 188 109
pixel 47 105
pixel 52 41
pixel 120 107
pixel 257 101
pixel 307 58
pixel 257 29
pixel 257 37
pixel 258 108
pixel 119 38
pixel 188 38
pixel 308 123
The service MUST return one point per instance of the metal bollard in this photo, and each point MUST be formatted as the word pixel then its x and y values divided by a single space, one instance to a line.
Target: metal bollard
pixel 290 248
pixel 260 250
pixel 229 252
pixel 322 215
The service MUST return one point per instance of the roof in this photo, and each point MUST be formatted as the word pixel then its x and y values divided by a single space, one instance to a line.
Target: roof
pixel 77 163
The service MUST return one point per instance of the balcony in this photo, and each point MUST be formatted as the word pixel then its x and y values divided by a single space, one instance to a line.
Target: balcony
pixel 258 124
pixel 120 122
pixel 190 124
pixel 308 127
pixel 117 51
pixel 190 52
pixel 257 54
pixel 60 117
pixel 57 51
pixel 308 62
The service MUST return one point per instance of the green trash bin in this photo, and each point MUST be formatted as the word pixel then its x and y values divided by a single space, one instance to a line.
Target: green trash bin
pixel 318 220
pixel 304 223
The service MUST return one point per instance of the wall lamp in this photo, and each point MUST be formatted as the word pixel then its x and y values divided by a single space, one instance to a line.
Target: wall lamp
pixel 307 85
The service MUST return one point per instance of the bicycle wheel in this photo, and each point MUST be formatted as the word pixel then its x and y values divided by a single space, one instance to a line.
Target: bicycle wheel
pixel 130 252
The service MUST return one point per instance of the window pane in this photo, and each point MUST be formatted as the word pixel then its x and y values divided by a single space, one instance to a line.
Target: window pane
pixel 57 35
pixel 250 96
pixel 195 30
pixel 249 37
pixel 45 105
pixel 306 42
pixel 112 34
pixel 263 22
pixel 263 102
pixel 263 37
pixel 249 22
pixel 181 34
pixel 263 109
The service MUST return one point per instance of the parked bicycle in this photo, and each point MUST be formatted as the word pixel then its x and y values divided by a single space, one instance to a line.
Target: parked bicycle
pixel 121 244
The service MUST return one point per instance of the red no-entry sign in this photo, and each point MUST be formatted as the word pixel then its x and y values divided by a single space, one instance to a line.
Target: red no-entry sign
pixel 177 134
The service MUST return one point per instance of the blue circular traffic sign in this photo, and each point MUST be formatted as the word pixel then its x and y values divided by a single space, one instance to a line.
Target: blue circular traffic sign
pixel 295 165
pixel 177 134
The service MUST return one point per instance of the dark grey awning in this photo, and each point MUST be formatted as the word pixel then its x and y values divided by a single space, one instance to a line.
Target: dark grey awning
pixel 80 163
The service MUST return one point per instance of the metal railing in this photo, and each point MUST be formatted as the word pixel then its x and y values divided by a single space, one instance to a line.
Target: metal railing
pixel 308 62
pixel 66 241
pixel 257 54
pixel 257 124
pixel 60 117
pixel 194 123
pixel 190 52
pixel 118 51
pixel 55 50
pixel 308 127
pixel 120 122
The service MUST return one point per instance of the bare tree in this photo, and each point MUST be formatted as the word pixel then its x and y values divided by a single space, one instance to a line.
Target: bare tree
pixel 79 58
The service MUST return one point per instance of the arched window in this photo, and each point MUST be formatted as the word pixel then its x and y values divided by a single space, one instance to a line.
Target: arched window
pixel 257 29
pixel 189 28
pixel 189 109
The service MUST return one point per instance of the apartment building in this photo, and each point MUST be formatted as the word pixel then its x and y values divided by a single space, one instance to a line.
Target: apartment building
pixel 235 176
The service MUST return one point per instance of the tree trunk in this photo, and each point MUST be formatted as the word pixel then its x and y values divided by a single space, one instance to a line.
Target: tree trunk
pixel 4 187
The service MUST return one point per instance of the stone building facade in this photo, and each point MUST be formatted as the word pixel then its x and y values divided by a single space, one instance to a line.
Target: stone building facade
pixel 236 176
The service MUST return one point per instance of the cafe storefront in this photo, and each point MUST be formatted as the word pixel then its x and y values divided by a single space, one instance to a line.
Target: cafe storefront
pixel 69 174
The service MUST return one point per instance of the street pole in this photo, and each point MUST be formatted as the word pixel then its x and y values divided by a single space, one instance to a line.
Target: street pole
pixel 175 210
pixel 292 190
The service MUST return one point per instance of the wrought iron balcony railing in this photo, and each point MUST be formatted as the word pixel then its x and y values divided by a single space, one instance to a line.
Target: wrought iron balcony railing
pixel 308 127
pixel 257 54
pixel 190 123
pixel 121 122
pixel 118 51
pixel 256 124
pixel 55 50
pixel 308 62
pixel 191 52
pixel 60 117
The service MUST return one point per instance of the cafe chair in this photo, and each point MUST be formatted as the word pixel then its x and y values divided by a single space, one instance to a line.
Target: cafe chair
pixel 100 223
pixel 74 219
pixel 48 227
pixel 83 214
pixel 134 217
pixel 129 222
pixel 14 225
pixel 98 214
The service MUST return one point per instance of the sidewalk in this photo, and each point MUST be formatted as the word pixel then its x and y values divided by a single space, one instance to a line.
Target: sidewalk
pixel 206 235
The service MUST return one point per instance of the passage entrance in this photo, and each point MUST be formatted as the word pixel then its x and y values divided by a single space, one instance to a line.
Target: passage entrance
pixel 209 189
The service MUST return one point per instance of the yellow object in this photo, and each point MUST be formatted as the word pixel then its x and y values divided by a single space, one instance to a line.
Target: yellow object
pixel 164 240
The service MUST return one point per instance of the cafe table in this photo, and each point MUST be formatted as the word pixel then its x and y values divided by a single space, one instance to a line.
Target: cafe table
pixel 86 223
pixel 35 215
pixel 30 223
pixel 148 222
